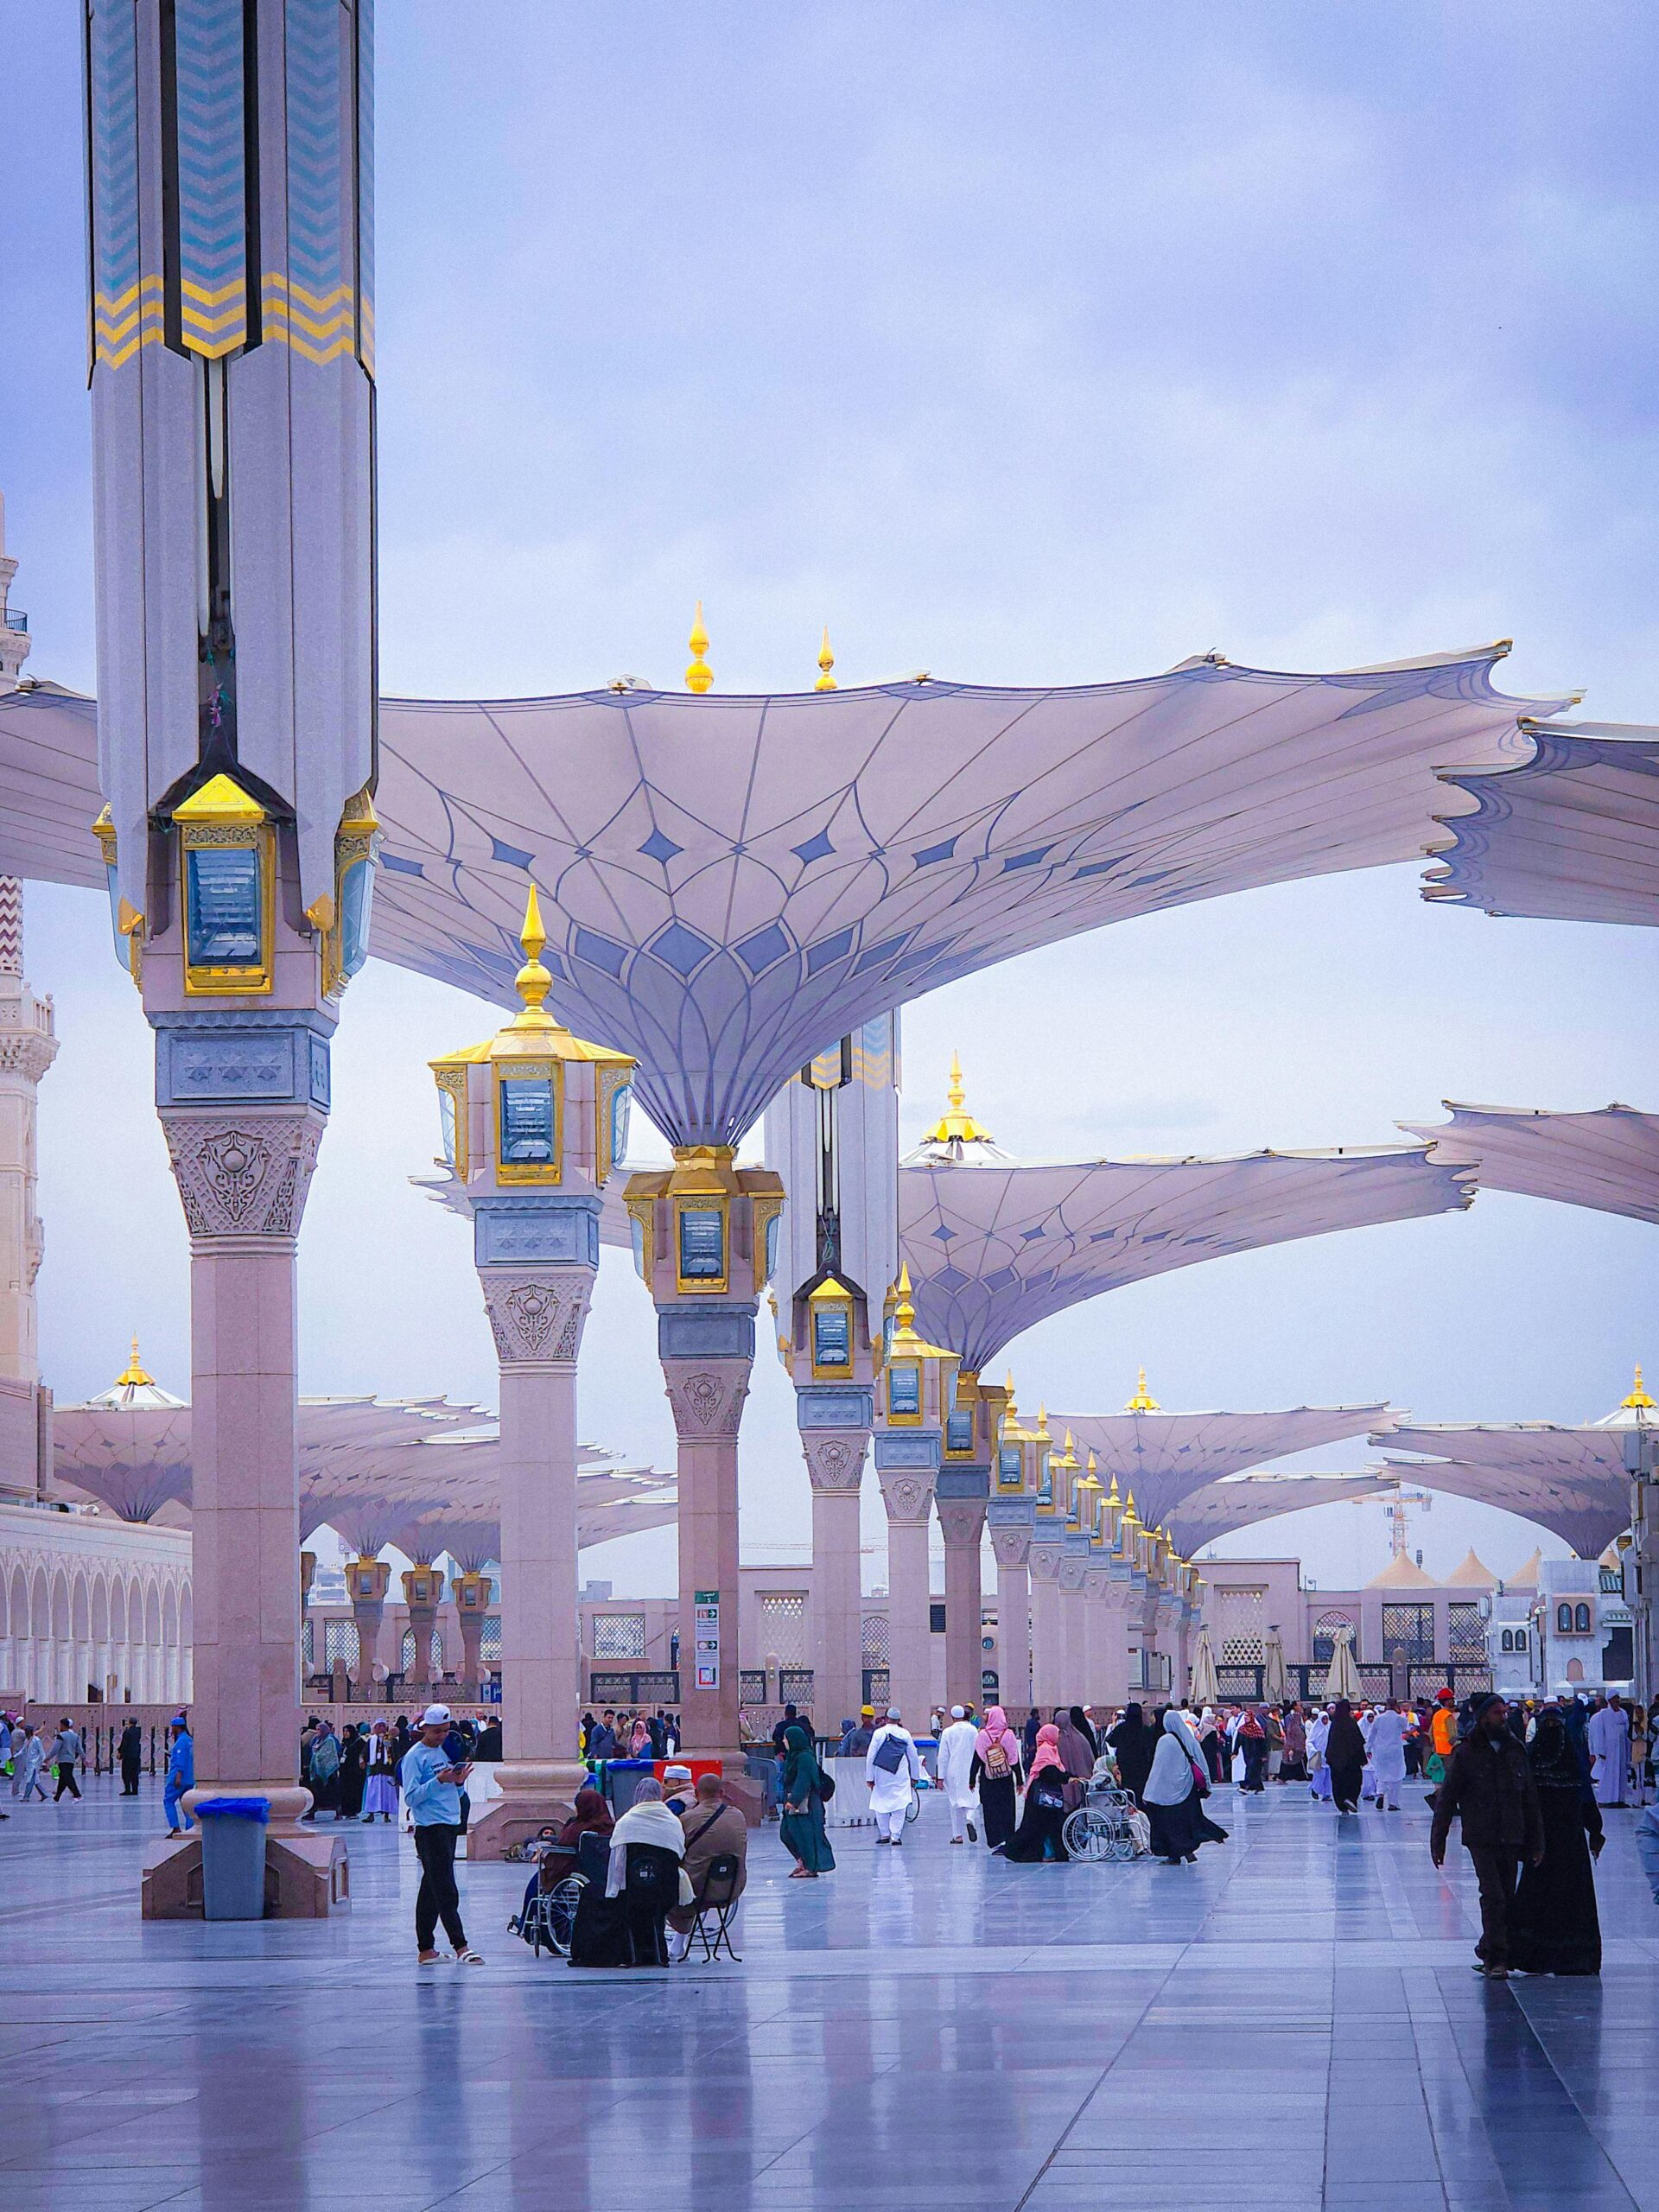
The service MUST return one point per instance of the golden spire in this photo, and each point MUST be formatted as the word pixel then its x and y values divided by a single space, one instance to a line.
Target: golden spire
pixel 1112 1498
pixel 826 662
pixel 1142 1401
pixel 532 982
pixel 1639 1401
pixel 134 1375
pixel 904 1312
pixel 699 676
pixel 957 1125
pixel 1042 1421
pixel 1129 1513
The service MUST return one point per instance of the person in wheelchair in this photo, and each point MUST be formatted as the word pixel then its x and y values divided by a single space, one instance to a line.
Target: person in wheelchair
pixel 620 1923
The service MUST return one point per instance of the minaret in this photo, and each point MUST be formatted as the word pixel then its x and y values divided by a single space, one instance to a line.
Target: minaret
pixel 28 1048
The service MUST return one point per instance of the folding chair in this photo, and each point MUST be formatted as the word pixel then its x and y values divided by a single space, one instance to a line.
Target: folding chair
pixel 719 1895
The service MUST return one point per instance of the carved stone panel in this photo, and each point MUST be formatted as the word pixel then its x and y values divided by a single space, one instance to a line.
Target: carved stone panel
pixel 1011 1545
pixel 907 1496
pixel 706 1397
pixel 962 1520
pixel 537 1316
pixel 243 1177
pixel 835 1462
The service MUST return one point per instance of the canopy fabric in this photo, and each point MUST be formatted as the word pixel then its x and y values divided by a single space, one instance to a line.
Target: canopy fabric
pixel 992 1249
pixel 1570 834
pixel 1166 1458
pixel 731 883
pixel 1221 1508
pixel 1570 1481
pixel 1607 1160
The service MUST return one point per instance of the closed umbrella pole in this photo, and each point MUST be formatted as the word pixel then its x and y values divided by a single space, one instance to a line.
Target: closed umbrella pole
pixel 1343 1681
pixel 1206 1686
pixel 1276 1686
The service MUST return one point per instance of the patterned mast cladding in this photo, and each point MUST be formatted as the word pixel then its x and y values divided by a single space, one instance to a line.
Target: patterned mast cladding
pixel 231 202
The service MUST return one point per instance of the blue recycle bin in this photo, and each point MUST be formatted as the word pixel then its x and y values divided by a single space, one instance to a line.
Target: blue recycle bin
pixel 233 1857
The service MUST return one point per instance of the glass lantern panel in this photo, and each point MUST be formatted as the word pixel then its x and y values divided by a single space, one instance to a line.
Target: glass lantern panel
pixel 773 1228
pixel 356 908
pixel 702 1244
pixel 621 1101
pixel 224 906
pixel 1008 1470
pixel 959 1430
pixel 123 943
pixel 447 1116
pixel 637 1239
pixel 904 1388
pixel 832 1343
pixel 529 1138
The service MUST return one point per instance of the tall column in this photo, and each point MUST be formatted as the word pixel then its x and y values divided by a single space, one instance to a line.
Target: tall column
pixel 423 1595
pixel 1074 1606
pixel 28 1048
pixel 471 1593
pixel 307 1576
pixel 962 1520
pixel 835 1466
pixel 1047 1654
pixel 1011 1542
pixel 537 1315
pixel 907 1493
pixel 367 1582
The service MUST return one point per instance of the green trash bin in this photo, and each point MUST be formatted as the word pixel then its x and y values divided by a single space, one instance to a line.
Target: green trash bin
pixel 233 1857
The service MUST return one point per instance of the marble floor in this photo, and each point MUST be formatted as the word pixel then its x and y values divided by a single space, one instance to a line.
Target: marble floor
pixel 1291 2023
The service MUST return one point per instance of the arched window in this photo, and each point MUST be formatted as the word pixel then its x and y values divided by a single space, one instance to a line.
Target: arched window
pixel 1508 1642
pixel 1581 1620
pixel 1575 1670
pixel 1519 1639
pixel 1564 1620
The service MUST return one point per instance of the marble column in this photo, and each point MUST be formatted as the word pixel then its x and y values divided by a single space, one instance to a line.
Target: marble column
pixel 470 1595
pixel 1047 1655
pixel 1073 1609
pixel 367 1582
pixel 423 1595
pixel 307 1576
pixel 537 1315
pixel 1011 1542
pixel 907 1493
pixel 962 1517
pixel 835 1466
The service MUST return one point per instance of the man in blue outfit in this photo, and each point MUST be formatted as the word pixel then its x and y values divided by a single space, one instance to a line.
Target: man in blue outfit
pixel 432 1788
pixel 181 1776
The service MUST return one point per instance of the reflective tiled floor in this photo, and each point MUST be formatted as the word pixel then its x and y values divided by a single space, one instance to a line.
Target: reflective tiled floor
pixel 1291 2023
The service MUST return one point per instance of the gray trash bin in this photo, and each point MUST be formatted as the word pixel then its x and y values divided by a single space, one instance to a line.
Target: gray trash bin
pixel 233 1857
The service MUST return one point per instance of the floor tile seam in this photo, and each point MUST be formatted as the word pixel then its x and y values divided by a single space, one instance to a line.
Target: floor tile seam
pixel 1585 2119
pixel 1089 2095
pixel 868 2080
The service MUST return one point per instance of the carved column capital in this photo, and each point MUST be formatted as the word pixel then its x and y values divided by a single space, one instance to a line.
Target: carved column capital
pixel 962 1520
pixel 537 1314
pixel 1071 1575
pixel 835 1460
pixel 907 1492
pixel 243 1174
pixel 706 1397
pixel 1011 1545
pixel 1045 1560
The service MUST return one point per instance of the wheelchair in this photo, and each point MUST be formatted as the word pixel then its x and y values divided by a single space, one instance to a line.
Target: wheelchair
pixel 1102 1828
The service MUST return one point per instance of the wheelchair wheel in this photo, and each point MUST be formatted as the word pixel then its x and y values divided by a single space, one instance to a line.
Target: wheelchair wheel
pixel 1088 1835
pixel 559 1911
pixel 1123 1845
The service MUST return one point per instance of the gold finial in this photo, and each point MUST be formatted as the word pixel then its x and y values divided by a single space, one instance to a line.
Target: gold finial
pixel 699 676
pixel 1042 1419
pixel 904 1313
pixel 826 662
pixel 1639 1401
pixel 532 982
pixel 1112 1498
pixel 134 1375
pixel 1129 1513
pixel 1142 1401
pixel 957 1125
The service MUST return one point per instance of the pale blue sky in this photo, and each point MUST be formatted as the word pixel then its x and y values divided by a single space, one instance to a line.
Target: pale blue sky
pixel 1020 344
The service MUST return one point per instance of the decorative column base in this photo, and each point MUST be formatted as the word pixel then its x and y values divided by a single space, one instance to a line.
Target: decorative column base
pixel 307 1875
pixel 534 1793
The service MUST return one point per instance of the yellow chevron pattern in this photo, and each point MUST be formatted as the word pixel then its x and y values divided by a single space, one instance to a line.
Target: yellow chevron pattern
pixel 211 334
pixel 123 323
pixel 319 326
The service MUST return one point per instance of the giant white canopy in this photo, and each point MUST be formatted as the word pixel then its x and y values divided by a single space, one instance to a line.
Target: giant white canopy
pixel 994 1248
pixel 1570 834
pixel 731 883
pixel 1608 1159
pixel 1246 1501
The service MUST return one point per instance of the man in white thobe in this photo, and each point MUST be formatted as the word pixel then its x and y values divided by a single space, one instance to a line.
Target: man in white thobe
pixel 892 1766
pixel 1386 1744
pixel 1608 1734
pixel 955 1764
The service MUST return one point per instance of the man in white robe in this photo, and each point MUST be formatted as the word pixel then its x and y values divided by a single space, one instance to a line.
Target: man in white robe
pixel 1386 1744
pixel 892 1766
pixel 1608 1734
pixel 954 1764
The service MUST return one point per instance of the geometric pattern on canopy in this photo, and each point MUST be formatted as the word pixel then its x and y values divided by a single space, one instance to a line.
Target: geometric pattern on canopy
pixel 1586 1515
pixel 1607 1158
pixel 730 884
pixel 1246 1501
pixel 993 1249
pixel 1571 835
pixel 1166 1458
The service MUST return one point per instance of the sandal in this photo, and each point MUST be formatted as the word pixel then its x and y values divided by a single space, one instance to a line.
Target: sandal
pixel 469 1957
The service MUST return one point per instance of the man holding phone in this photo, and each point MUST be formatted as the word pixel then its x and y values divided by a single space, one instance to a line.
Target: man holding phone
pixel 432 1783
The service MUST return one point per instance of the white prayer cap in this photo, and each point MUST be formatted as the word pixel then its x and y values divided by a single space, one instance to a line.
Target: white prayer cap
pixel 958 1713
pixel 435 1716
pixel 894 1713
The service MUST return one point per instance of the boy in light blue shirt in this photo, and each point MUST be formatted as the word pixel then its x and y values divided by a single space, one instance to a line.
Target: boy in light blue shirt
pixel 432 1787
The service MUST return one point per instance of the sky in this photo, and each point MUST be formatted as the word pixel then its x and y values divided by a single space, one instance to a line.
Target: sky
pixel 1048 345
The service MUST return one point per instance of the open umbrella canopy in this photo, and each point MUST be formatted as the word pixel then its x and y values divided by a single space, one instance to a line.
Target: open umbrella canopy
pixel 1607 1158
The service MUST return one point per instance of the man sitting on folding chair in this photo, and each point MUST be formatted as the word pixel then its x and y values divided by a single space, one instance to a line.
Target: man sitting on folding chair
pixel 714 1830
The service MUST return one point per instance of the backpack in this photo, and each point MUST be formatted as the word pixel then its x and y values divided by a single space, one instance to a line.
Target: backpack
pixel 995 1764
pixel 891 1755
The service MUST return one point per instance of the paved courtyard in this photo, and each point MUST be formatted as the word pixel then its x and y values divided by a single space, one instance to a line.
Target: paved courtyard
pixel 1292 2023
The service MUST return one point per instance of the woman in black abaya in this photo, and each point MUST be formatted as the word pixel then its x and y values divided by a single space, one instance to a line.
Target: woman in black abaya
pixel 1134 1743
pixel 1555 1926
pixel 1344 1754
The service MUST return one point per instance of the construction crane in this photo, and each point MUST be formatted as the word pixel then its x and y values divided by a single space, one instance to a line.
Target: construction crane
pixel 1398 1510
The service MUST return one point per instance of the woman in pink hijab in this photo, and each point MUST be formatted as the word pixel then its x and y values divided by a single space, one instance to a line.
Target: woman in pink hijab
pixel 1038 1836
pixel 995 1773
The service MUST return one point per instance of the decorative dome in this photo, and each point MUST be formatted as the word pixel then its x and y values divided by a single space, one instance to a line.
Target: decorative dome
pixel 1402 1573
pixel 1472 1573
pixel 1639 1410
pixel 135 1386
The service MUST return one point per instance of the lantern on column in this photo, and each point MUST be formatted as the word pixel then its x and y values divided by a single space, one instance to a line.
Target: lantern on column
pixel 227 891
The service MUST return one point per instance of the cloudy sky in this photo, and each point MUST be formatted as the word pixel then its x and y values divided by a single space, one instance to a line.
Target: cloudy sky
pixel 1020 344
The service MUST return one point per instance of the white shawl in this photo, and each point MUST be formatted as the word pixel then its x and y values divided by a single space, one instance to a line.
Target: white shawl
pixel 651 1822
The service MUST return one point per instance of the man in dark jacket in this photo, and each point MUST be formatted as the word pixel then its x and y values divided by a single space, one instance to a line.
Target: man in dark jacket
pixel 1489 1785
